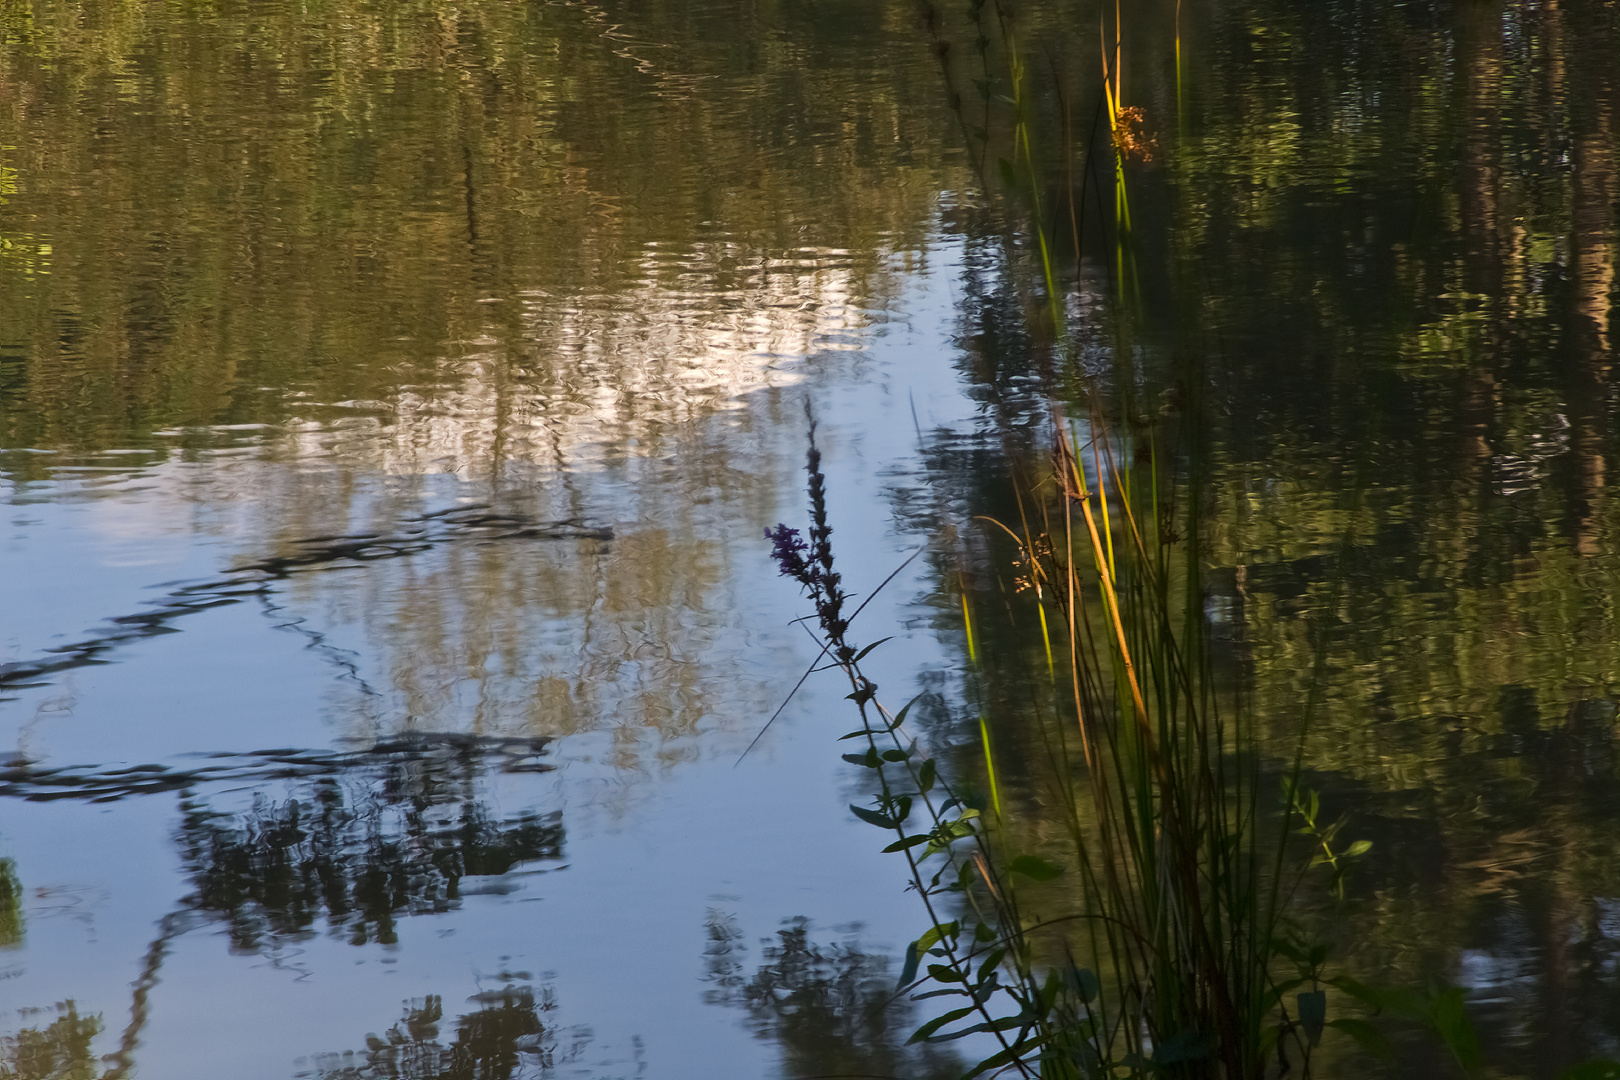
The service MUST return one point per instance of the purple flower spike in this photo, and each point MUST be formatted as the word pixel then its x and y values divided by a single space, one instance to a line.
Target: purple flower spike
pixel 788 551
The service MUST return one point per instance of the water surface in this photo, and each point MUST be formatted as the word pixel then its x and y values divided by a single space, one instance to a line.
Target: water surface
pixel 393 398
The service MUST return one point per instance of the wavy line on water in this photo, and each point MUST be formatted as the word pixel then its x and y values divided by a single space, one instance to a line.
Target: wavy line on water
pixel 478 523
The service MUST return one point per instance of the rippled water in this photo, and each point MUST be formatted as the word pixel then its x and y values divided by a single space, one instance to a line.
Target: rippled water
pixel 393 398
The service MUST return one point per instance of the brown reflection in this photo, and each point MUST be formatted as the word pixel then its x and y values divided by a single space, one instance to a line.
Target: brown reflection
pixel 1589 108
pixel 558 258
pixel 11 914
pixel 512 227
pixel 508 1035
pixel 424 251
pixel 60 1050
pixel 1595 192
pixel 542 640
pixel 1479 65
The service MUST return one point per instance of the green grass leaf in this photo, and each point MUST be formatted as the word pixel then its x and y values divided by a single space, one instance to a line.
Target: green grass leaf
pixel 1374 1042
pixel 1036 868
pixel 1593 1070
pixel 1452 1024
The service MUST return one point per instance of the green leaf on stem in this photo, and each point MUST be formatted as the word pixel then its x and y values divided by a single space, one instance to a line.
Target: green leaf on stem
pixel 862 654
pixel 925 1033
pixel 873 817
pixel 937 934
pixel 908 842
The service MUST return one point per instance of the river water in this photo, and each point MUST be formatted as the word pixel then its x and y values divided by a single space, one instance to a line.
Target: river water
pixel 393 398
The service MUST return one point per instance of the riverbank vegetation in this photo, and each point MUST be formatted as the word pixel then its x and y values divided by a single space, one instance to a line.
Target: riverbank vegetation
pixel 1164 891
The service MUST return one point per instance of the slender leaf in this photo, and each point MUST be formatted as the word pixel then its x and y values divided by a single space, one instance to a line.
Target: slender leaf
pixel 997 1061
pixel 1036 868
pixel 1593 1070
pixel 935 935
pixel 909 842
pixel 926 1032
pixel 873 817
pixel 908 972
pixel 900 717
pixel 1374 1041
pixel 1005 1023
pixel 1455 1029
pixel 862 654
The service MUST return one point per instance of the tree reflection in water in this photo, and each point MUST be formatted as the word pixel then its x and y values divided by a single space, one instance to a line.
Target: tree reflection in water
pixel 59 1051
pixel 363 837
pixel 833 1007
pixel 402 846
pixel 11 917
pixel 506 1038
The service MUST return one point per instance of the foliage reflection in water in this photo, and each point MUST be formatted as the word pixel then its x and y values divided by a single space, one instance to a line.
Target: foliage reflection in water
pixel 832 1007
pixel 272 872
pixel 61 1050
pixel 278 273
pixel 506 1038
pixel 1377 253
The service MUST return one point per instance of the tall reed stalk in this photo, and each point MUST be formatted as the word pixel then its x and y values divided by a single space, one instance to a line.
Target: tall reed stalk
pixel 1155 938
pixel 1156 941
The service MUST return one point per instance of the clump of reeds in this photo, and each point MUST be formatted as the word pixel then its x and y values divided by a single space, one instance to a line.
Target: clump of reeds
pixel 1160 946
pixel 1159 940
